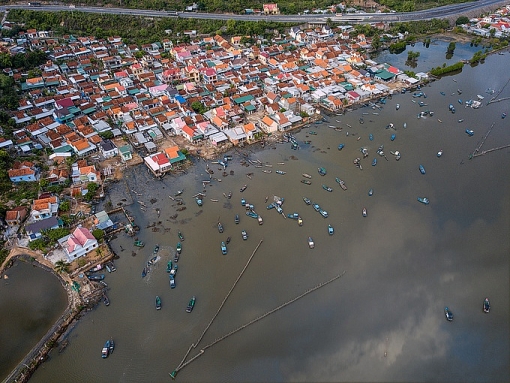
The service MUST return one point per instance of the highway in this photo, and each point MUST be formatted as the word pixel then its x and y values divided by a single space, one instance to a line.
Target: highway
pixel 440 12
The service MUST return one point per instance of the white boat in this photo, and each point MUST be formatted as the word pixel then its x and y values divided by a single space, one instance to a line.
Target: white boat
pixel 311 244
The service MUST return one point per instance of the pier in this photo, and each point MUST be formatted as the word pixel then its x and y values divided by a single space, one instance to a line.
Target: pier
pixel 477 152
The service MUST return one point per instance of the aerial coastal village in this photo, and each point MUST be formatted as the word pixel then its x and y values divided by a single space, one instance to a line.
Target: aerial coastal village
pixel 206 97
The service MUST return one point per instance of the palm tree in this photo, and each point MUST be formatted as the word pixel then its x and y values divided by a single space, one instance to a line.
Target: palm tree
pixel 61 267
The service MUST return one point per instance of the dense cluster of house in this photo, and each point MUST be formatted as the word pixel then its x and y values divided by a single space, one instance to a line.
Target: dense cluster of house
pixel 91 86
pixel 497 22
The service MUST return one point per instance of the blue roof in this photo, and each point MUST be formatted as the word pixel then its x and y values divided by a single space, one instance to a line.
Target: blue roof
pixel 180 99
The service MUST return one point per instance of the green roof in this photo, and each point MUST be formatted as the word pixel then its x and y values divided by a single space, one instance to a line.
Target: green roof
pixel 64 149
pixel 242 100
pixel 249 108
pixel 180 157
pixel 385 75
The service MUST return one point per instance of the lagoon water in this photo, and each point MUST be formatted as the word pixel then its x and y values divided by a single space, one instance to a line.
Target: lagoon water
pixel 384 319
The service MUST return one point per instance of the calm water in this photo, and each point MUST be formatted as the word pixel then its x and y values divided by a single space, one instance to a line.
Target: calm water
pixel 382 321
pixel 28 311
pixel 433 56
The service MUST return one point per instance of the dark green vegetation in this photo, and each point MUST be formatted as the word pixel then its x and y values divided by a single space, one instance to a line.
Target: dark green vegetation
pixel 140 30
pixel 49 238
pixel 447 69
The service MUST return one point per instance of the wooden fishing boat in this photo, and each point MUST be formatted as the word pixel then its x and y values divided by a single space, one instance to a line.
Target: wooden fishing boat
pixel 306 182
pixel 306 175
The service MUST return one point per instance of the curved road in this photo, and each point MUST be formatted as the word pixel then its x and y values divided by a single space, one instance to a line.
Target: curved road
pixel 440 12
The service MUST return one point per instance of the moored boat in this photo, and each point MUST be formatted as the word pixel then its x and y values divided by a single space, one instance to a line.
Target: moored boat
pixel 300 221
pixel 243 188
pixel 324 213
pixel 448 314
pixel 111 346
pixel 306 182
pixel 422 169
pixel 307 200
pixel 223 248
pixel 327 188
pixel 139 243
pixel 260 220
pixel 181 237
pixel 106 300
pixel 179 248
pixel 311 244
pixel 306 175
pixel 322 171
pixel 440 153
pixel 169 266
pixel 158 303
pixel 316 207
pixel 423 200
pixel 106 350
pixel 393 136
pixel 470 132
pixel 374 162
pixel 244 234
pixel 371 137
pixel 220 227
pixel 191 304
pixel 341 146
pixel 341 183
pixel 293 215
pixel 503 115
pixel 281 172
pixel 486 305
pixel 252 214
pixel 144 272
pixel 370 192
pixel 397 107
pixel 364 212
pixel 95 277
pixel 199 201
pixel 330 230
pixel 172 281
pixel 236 219
pixel 156 249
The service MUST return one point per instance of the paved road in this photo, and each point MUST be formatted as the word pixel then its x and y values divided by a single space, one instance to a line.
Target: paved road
pixel 440 12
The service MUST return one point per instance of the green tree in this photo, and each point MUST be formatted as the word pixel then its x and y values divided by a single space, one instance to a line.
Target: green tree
pixel 451 48
pixel 462 20
pixel 98 234
pixel 61 267
pixel 65 206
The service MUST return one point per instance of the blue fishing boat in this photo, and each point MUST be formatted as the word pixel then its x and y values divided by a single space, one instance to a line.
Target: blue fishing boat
pixel 307 200
pixel 252 214
pixel 423 200
pixel 371 192
pixel 223 248
pixel 341 146
pixel 191 304
pixel 244 234
pixel 322 171
pixel 293 215
pixel 316 207
pixel 374 162
pixel 371 137
pixel 330 230
pixel 448 314
pixel 144 272
pixel 442 93
pixel 198 201
pixel 106 350
pixel 486 305
pixel 393 136
pixel 243 202
pixel 281 172
pixel 236 219
pixel 111 347
pixel 172 281
pixel 324 213
pixel 327 188
pixel 397 107
pixel 220 227
pixel 178 248
pixel 440 153
pixel 503 115
pixel 422 169
pixel 469 132
pixel 270 206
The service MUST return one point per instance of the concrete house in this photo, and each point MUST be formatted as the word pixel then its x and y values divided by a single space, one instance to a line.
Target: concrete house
pixel 79 243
